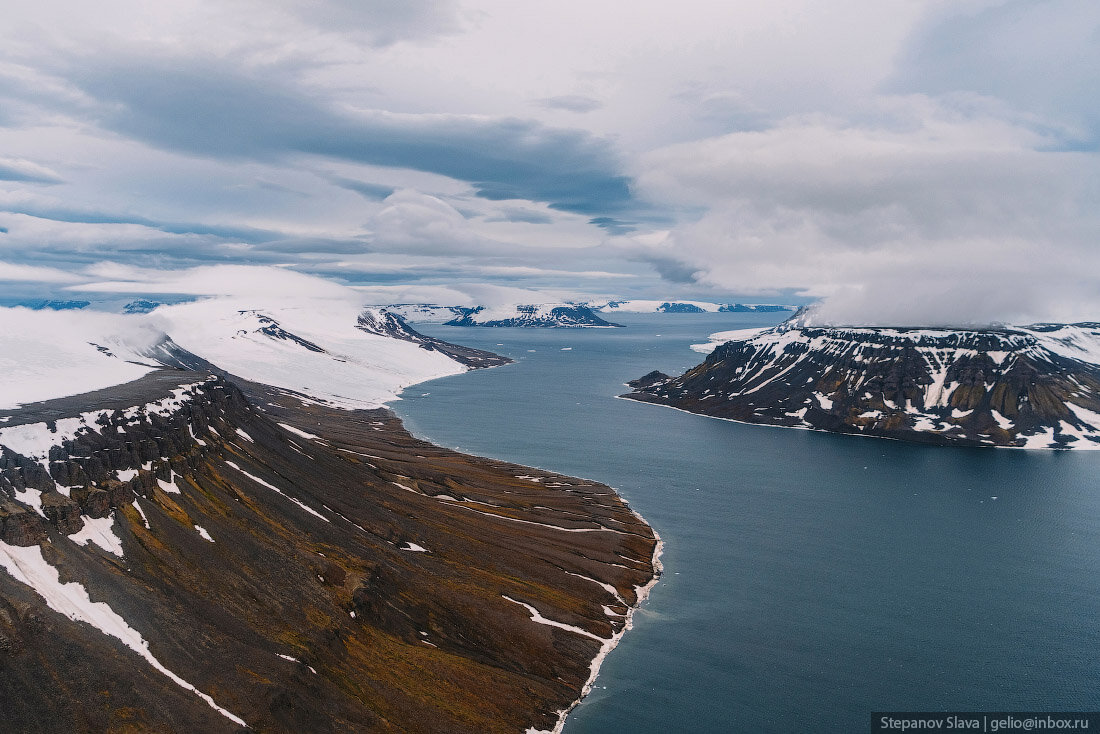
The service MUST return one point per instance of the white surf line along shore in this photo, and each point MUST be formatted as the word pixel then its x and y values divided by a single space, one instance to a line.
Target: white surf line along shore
pixel 275 489
pixel 641 592
pixel 28 566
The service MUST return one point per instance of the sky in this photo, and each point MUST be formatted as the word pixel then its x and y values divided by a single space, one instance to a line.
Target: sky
pixel 905 161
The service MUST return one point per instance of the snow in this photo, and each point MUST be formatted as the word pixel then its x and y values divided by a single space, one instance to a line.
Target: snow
pixel 537 617
pixel 100 530
pixel 28 566
pixel 1003 422
pixel 245 436
pixel 721 337
pixel 1040 440
pixel 298 431
pixel 53 354
pixel 410 546
pixel 422 313
pixel 203 534
pixel 353 369
pixel 1086 416
pixel 142 513
pixel 826 403
pixel 170 485
pixel 275 489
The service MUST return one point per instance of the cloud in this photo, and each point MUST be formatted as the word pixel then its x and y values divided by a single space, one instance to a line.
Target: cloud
pixel 255 282
pixel 517 214
pixel 14 272
pixel 922 216
pixel 381 22
pixel 211 108
pixel 571 103
pixel 372 191
pixel 12 169
pixel 1040 58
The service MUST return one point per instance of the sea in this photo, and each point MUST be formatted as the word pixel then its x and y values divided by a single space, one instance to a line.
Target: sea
pixel 810 579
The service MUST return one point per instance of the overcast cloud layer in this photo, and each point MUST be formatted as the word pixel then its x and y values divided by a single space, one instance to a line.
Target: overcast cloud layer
pixel 908 161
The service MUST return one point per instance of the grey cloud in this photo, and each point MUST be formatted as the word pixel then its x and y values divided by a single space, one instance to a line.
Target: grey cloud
pixel 1039 57
pixel 614 226
pixel 375 192
pixel 571 103
pixel 525 216
pixel 82 216
pixel 381 22
pixel 27 174
pixel 211 109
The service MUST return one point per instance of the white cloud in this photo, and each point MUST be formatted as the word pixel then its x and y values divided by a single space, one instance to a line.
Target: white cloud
pixel 13 272
pixel 922 214
pixel 256 282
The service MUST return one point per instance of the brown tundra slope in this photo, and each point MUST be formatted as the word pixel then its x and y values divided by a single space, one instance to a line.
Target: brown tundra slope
pixel 200 554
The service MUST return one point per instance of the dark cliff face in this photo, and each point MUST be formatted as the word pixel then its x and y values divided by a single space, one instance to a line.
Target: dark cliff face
pixel 558 316
pixel 386 323
pixel 309 569
pixel 1002 387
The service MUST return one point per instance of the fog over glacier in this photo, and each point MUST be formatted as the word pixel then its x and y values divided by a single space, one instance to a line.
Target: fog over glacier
pixel 905 161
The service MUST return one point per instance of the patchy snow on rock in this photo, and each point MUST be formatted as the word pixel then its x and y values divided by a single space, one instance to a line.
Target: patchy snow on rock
pixel 101 531
pixel 275 489
pixel 203 534
pixel 299 431
pixel 28 566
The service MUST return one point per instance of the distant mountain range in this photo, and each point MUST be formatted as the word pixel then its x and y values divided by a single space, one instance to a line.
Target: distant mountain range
pixel 689 307
pixel 545 315
pixel 559 315
pixel 1025 387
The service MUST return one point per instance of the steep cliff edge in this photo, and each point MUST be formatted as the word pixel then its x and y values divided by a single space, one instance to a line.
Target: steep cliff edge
pixel 185 553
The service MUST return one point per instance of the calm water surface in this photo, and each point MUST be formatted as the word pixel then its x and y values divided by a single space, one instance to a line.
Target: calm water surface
pixel 809 578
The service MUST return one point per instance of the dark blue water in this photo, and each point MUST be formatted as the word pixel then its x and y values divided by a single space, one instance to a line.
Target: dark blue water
pixel 809 578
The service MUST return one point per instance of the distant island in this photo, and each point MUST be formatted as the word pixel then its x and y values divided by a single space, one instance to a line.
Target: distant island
pixel 1022 387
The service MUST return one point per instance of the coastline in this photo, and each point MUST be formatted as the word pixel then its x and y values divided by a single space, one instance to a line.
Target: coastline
pixel 860 435
pixel 642 593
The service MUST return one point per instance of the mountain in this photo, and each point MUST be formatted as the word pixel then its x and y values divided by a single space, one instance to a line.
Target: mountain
pixel 637 306
pixel 544 315
pixel 386 323
pixel 423 313
pixel 222 537
pixel 141 305
pixel 55 305
pixel 1025 387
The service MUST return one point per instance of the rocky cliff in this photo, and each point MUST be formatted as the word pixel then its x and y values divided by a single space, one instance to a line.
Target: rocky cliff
pixel 184 553
pixel 1033 387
